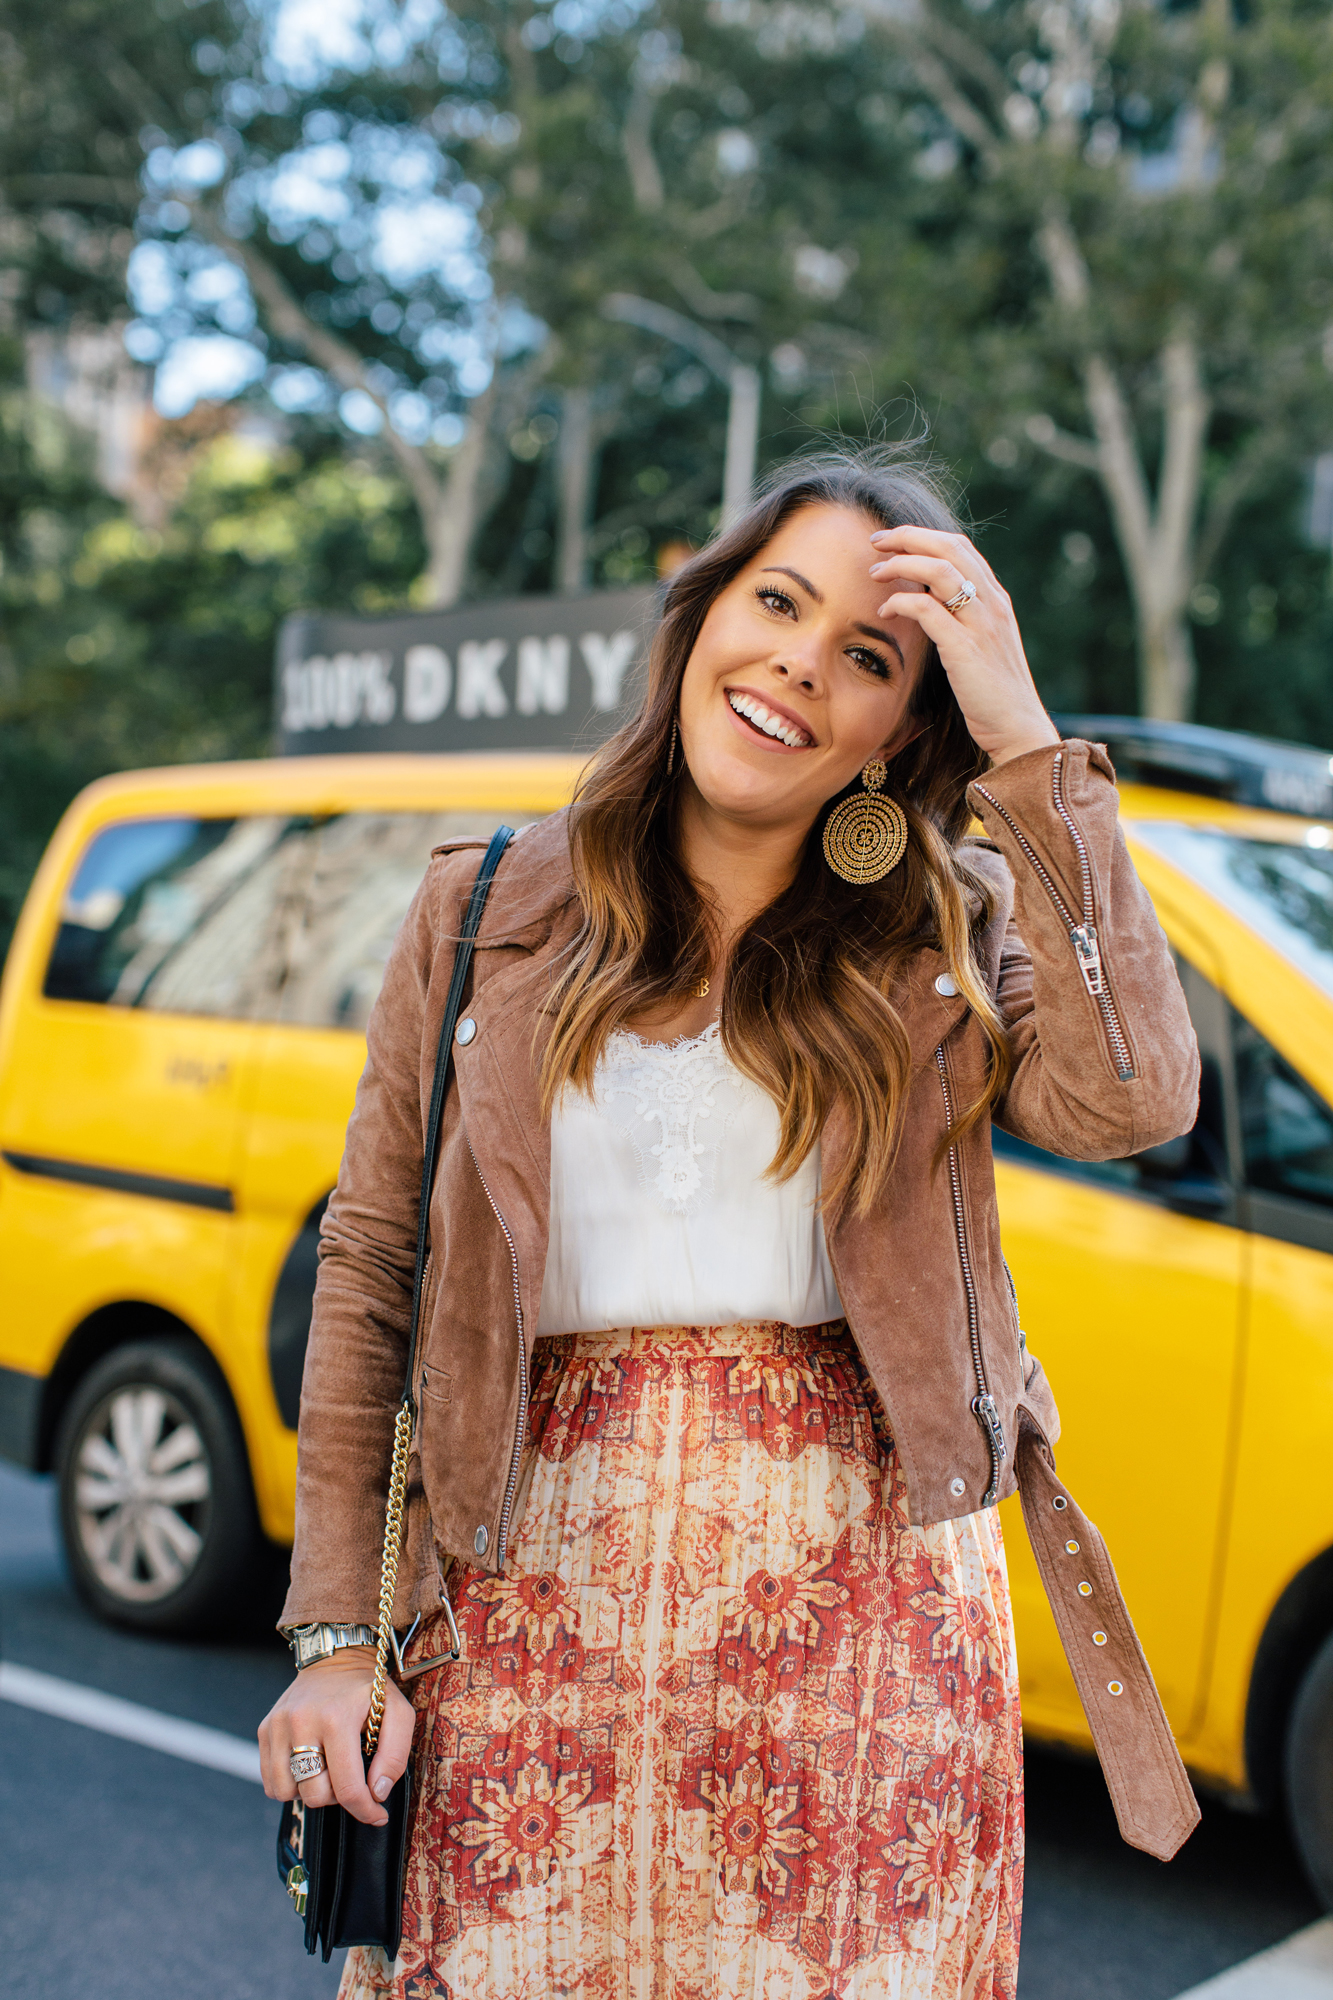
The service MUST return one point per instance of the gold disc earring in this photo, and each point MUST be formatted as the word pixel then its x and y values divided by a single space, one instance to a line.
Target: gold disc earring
pixel 866 836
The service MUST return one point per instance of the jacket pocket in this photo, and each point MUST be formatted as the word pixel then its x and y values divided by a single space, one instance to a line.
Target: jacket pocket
pixel 436 1386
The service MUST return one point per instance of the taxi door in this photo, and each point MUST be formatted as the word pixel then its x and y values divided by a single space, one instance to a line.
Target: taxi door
pixel 1129 1277
pixel 125 1093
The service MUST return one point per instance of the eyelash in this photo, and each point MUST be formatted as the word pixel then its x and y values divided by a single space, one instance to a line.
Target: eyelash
pixel 769 595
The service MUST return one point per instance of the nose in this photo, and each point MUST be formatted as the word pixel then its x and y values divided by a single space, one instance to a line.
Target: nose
pixel 801 672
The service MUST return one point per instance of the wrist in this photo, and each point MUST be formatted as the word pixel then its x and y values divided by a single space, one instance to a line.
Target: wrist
pixel 1042 736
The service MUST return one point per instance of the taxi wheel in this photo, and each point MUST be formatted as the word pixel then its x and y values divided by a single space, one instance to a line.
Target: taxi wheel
pixel 1310 1773
pixel 156 1505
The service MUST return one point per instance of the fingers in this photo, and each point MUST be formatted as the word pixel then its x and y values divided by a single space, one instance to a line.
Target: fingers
pixel 347 1774
pixel 957 549
pixel 937 623
pixel 275 1749
pixel 317 1791
pixel 395 1744
pixel 941 578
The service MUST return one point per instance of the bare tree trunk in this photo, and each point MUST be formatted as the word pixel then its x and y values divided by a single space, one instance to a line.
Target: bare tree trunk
pixel 1156 537
pixel 575 463
pixel 452 522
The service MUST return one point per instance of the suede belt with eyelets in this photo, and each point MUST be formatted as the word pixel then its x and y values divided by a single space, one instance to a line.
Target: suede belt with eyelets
pixel 1153 1799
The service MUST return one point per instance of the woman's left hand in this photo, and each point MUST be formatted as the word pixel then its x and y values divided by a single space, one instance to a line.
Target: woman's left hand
pixel 979 645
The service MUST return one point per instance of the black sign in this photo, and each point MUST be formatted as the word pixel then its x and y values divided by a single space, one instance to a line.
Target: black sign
pixel 524 673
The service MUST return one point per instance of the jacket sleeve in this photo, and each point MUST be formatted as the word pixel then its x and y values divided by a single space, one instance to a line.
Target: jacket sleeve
pixel 362 1312
pixel 1104 1057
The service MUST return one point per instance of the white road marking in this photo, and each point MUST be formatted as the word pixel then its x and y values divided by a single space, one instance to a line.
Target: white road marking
pixel 1301 1968
pixel 193 1741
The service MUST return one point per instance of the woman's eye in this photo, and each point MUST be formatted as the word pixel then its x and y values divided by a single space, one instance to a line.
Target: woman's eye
pixel 869 661
pixel 776 600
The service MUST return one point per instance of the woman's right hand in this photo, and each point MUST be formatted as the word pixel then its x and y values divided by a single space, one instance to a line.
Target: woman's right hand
pixel 327 1704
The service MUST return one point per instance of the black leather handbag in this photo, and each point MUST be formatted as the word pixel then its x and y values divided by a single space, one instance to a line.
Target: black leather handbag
pixel 344 1877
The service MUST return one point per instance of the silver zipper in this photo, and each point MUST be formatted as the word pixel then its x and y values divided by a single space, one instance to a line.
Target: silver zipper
pixel 1013 1293
pixel 984 1407
pixel 1082 932
pixel 521 1431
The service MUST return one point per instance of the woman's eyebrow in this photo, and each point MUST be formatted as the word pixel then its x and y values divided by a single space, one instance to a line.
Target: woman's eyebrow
pixel 885 639
pixel 780 569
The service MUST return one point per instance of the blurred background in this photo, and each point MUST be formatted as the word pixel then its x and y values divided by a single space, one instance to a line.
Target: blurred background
pixel 380 306
pixel 364 305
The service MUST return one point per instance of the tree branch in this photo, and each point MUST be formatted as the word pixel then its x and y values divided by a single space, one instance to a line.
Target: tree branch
pixel 1186 413
pixel 637 138
pixel 704 302
pixel 1046 434
pixel 961 113
pixel 288 318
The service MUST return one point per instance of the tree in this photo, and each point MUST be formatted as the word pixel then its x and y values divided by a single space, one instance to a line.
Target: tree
pixel 181 128
pixel 1136 205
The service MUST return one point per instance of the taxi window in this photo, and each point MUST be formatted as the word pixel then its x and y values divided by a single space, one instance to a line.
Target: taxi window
pixel 182 915
pixel 365 870
pixel 1282 891
pixel 1286 1128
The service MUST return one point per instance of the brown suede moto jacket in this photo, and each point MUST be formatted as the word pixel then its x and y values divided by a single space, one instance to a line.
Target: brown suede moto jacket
pixel 1104 1065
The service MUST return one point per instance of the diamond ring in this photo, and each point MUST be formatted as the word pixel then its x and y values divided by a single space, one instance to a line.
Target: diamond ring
pixel 963 595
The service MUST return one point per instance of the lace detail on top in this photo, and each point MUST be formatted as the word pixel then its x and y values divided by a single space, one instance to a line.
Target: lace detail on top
pixel 674 1102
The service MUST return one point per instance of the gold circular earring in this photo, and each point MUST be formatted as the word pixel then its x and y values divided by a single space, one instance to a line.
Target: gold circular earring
pixel 866 836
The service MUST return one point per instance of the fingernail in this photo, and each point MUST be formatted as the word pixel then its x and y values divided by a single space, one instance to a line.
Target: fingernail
pixel 878 569
pixel 382 1788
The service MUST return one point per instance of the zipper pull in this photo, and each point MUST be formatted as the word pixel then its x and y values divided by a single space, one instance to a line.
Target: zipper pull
pixel 1089 953
pixel 987 1414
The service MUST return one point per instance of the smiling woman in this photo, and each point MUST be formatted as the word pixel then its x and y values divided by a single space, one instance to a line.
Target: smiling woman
pixel 783 673
pixel 720 1374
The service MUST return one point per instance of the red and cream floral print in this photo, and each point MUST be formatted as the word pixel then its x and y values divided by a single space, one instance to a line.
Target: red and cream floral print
pixel 727 1728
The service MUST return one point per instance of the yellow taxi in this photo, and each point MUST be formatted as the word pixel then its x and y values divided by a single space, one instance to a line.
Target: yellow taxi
pixel 181 1030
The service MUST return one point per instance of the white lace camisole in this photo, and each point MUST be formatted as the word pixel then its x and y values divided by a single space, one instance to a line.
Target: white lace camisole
pixel 660 1212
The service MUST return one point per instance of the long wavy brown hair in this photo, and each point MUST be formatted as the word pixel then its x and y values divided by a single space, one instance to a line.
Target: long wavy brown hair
pixel 808 1000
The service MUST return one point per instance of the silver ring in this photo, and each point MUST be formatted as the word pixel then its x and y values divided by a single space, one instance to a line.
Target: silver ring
pixel 306 1761
pixel 966 591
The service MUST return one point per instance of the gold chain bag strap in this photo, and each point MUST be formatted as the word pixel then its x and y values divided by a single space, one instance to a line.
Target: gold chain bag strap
pixel 346 1878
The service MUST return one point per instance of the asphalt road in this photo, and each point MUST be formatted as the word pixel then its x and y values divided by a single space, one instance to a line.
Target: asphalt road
pixel 127 1874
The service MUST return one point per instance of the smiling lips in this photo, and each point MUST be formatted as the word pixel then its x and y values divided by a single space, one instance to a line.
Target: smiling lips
pixel 767 722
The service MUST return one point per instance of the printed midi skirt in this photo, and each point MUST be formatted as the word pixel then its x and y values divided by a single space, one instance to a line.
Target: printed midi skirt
pixel 728 1727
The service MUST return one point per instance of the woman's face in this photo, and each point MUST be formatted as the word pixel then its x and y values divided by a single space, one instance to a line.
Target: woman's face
pixel 795 681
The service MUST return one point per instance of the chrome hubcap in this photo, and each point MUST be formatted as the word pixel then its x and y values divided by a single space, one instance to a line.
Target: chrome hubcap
pixel 142 1485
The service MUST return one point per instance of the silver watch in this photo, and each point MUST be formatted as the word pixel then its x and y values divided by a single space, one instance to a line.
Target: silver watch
pixel 320 1642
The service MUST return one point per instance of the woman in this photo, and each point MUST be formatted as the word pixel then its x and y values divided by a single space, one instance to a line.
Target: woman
pixel 722 1369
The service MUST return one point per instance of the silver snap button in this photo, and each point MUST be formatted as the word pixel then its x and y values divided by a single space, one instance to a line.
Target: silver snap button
pixel 1059 1503
pixel 946 986
pixel 1115 1687
pixel 481 1541
pixel 957 1487
pixel 465 1031
pixel 1085 1590
pixel 1099 1638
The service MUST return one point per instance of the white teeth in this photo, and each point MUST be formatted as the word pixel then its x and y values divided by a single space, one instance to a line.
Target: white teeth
pixel 772 725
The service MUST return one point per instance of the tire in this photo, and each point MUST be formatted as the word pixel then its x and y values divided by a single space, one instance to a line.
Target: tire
pixel 156 1506
pixel 1309 1772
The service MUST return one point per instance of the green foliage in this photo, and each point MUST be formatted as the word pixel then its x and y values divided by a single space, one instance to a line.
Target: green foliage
pixel 126 646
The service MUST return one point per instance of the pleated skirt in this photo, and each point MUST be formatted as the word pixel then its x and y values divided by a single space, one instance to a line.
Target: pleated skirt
pixel 728 1727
